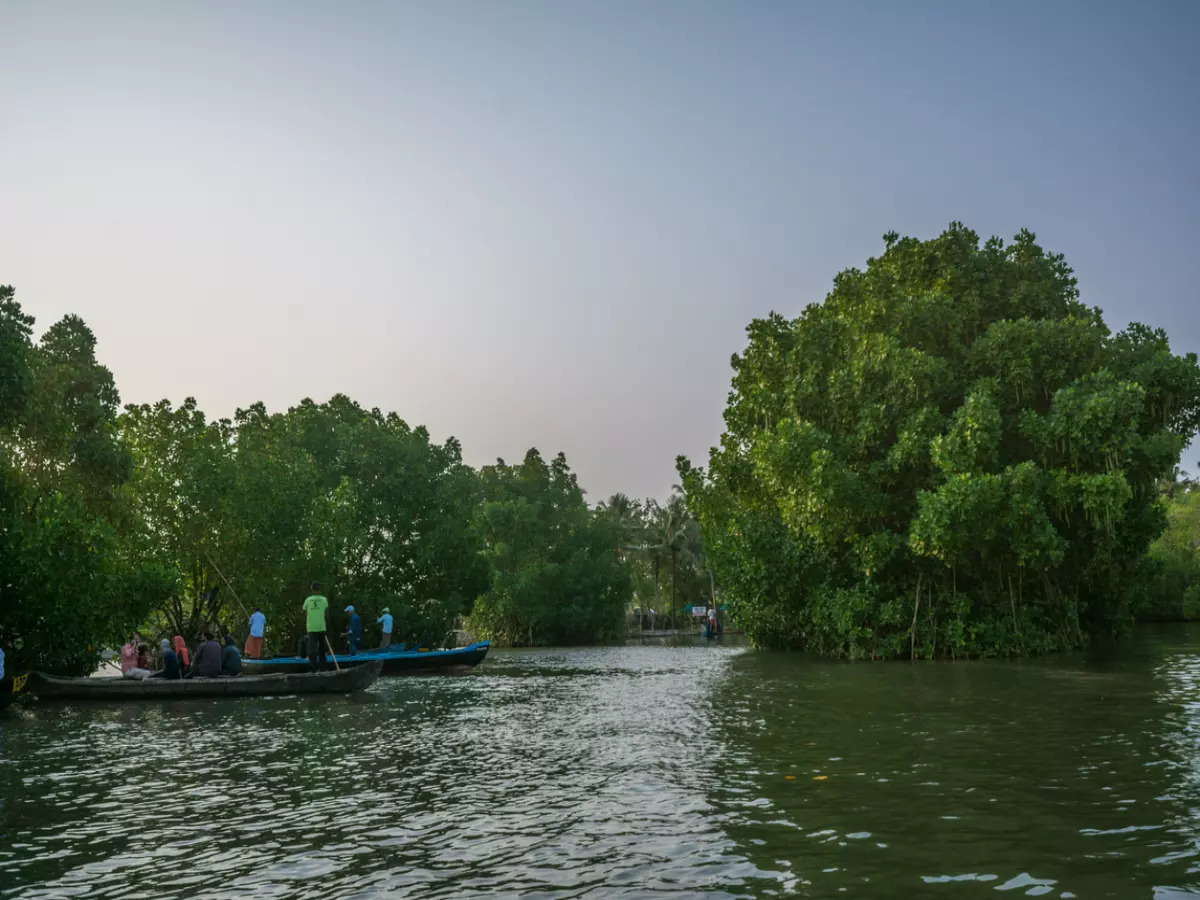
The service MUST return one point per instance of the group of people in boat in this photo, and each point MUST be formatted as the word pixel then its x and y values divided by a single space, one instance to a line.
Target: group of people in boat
pixel 211 659
pixel 173 659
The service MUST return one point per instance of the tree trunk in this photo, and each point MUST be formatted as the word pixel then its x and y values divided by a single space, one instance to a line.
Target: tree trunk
pixel 674 602
pixel 712 592
pixel 656 582
pixel 912 654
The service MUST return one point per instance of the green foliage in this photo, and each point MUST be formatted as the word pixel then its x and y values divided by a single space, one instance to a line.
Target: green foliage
pixel 555 573
pixel 1173 585
pixel 260 506
pixel 951 456
pixel 663 549
pixel 67 584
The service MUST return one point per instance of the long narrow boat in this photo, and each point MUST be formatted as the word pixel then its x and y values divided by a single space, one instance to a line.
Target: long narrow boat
pixel 394 662
pixel 50 687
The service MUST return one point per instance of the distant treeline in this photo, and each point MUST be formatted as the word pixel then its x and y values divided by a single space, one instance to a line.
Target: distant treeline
pixel 158 517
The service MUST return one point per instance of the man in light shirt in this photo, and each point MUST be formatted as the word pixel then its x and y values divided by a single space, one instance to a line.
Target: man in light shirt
pixel 386 621
pixel 258 624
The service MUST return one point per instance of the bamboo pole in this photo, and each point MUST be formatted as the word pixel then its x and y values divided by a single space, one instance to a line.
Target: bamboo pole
pixel 332 655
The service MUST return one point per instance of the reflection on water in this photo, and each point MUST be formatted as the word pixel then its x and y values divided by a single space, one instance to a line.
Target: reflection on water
pixel 629 772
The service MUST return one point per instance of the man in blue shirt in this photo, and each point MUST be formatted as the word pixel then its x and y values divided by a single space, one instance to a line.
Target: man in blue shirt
pixel 354 630
pixel 386 621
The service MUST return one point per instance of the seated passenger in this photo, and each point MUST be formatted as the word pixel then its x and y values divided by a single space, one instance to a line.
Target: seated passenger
pixel 231 660
pixel 130 659
pixel 170 660
pixel 181 650
pixel 207 661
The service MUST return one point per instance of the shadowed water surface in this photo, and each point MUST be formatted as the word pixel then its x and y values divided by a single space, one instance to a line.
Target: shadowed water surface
pixel 634 772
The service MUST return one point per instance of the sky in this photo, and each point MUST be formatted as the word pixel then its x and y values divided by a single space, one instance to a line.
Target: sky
pixel 548 223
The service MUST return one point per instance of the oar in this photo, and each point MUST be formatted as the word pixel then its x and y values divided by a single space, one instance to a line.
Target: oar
pixel 332 654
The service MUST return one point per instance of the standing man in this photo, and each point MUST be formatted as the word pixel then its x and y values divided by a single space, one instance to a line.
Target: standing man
pixel 354 631
pixel 258 624
pixel 386 621
pixel 314 609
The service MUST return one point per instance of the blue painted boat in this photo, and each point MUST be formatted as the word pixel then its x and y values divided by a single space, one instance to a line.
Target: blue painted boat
pixel 396 660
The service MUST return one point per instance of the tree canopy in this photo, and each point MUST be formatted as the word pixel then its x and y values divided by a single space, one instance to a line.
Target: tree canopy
pixel 951 456
pixel 69 583
pixel 254 509
pixel 556 577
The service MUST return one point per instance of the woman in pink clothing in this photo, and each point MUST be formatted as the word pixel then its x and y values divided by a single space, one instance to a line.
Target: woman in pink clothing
pixel 129 660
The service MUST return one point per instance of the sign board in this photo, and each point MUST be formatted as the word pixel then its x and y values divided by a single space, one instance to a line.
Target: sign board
pixel 699 610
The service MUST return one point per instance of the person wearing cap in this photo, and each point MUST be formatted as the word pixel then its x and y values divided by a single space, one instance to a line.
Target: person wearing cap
pixel 386 621
pixel 354 630
pixel 258 624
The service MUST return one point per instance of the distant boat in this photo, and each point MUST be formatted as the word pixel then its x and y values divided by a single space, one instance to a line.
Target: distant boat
pixel 51 687
pixel 395 661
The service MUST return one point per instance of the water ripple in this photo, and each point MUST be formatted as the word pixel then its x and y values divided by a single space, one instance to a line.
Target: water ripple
pixel 626 772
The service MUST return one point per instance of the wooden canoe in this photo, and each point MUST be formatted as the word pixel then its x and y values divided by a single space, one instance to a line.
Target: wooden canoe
pixel 50 687
pixel 394 661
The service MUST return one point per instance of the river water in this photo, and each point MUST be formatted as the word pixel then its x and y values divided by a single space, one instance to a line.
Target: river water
pixel 643 771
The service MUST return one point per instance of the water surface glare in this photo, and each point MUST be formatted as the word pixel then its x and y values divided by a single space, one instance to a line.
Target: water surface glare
pixel 629 772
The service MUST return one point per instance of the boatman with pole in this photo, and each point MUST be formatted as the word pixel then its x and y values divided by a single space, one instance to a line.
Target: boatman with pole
pixel 314 608
pixel 258 623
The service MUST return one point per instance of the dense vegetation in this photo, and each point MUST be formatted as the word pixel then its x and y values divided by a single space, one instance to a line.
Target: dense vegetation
pixel 951 456
pixel 554 575
pixel 663 549
pixel 158 517
pixel 70 580
pixel 1173 588
pixel 251 510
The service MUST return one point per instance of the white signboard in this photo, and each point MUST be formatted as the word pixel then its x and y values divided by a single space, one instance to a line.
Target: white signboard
pixel 699 610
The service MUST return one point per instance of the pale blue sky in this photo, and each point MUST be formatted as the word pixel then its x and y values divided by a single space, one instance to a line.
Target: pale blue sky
pixel 549 223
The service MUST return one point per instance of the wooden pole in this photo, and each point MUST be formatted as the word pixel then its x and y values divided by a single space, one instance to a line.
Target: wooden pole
pixel 227 584
pixel 331 653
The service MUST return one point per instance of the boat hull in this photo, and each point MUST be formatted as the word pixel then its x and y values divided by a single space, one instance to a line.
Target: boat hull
pixel 394 662
pixel 49 687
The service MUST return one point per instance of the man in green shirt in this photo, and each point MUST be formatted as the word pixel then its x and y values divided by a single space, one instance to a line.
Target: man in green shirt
pixel 314 609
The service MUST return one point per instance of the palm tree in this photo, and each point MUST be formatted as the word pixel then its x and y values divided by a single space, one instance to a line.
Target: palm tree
pixel 627 513
pixel 673 532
